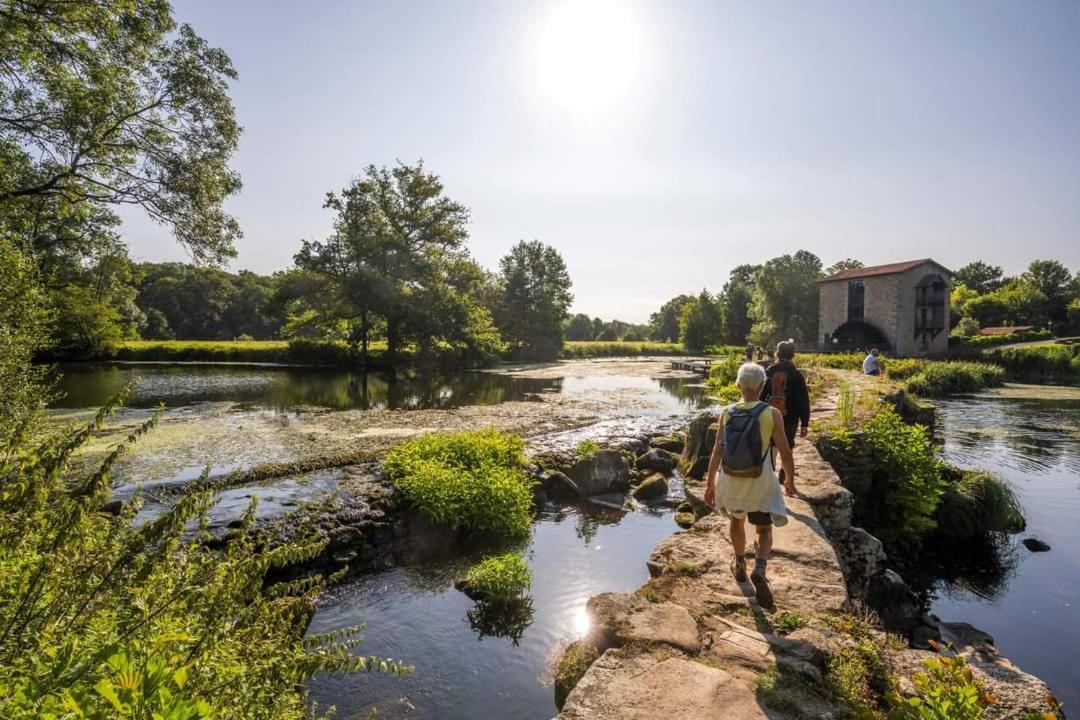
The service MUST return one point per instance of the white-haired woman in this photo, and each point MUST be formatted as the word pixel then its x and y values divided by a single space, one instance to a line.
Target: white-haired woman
pixel 751 491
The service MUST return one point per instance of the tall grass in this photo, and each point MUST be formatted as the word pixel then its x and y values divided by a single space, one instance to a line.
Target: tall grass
pixel 976 504
pixel 585 349
pixel 845 406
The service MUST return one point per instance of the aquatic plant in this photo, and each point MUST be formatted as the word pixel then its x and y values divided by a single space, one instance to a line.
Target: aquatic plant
pixel 500 578
pixel 940 379
pixel 978 503
pixel 473 480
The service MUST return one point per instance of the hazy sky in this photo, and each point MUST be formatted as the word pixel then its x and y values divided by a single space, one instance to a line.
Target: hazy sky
pixel 658 144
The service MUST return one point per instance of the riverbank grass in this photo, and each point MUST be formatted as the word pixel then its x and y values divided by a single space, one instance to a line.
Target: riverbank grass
pixel 941 379
pixel 473 480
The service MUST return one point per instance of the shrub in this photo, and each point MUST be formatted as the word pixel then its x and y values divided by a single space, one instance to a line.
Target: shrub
pixel 978 503
pixel 473 480
pixel 858 675
pixel 946 689
pixel 1038 362
pixel 908 481
pixel 102 617
pixel 586 447
pixel 501 578
pixel 788 622
pixel 940 379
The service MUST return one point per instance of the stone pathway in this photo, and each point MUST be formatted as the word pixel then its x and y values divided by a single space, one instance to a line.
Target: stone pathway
pixel 694 643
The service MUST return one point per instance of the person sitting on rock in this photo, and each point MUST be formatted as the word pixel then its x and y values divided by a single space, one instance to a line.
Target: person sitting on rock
pixel 748 437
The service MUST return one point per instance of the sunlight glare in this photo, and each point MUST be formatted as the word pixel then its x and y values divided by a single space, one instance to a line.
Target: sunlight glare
pixel 581 622
pixel 589 54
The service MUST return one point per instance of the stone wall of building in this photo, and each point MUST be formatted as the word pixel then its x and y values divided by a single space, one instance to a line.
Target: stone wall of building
pixel 908 344
pixel 882 306
pixel 832 309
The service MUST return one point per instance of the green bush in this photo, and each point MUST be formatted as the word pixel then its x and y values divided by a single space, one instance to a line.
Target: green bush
pixel 473 480
pixel 501 578
pixel 586 447
pixel 978 503
pixel 981 342
pixel 1039 362
pixel 858 675
pixel 947 690
pixel 940 379
pixel 908 481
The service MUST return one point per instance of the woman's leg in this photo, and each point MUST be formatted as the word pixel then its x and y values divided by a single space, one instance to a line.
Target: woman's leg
pixel 764 541
pixel 737 528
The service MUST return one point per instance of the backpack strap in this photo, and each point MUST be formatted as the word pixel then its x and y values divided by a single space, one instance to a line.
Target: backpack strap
pixel 756 413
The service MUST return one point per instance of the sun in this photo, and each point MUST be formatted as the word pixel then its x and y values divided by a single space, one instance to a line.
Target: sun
pixel 588 54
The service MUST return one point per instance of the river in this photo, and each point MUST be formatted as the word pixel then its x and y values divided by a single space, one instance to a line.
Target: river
pixel 1031 604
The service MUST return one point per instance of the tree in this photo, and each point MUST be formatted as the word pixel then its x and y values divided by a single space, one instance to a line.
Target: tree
pixel 1025 304
pixel 1053 280
pixel 988 310
pixel 785 299
pixel 967 327
pixel 535 299
pixel 579 328
pixel 394 237
pixel 734 302
pixel 105 104
pixel 23 331
pixel 701 324
pixel 959 299
pixel 980 276
pixel 665 321
pixel 840 266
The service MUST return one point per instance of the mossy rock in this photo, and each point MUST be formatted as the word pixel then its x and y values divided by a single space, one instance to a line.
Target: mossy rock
pixel 654 487
pixel 671 443
pixel 573 665
pixel 685 520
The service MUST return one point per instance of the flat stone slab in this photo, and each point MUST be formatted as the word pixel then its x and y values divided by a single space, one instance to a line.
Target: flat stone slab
pixel 622 618
pixel 645 687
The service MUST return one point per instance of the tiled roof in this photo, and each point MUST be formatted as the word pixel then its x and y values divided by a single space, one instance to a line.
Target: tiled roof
pixel 1005 330
pixel 890 269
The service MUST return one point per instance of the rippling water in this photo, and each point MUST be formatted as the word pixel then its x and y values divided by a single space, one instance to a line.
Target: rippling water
pixel 463 673
pixel 1033 610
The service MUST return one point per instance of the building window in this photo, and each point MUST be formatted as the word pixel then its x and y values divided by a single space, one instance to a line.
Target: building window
pixel 930 296
pixel 856 300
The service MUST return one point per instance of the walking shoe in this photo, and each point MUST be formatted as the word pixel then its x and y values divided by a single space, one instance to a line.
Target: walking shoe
pixel 761 585
pixel 738 568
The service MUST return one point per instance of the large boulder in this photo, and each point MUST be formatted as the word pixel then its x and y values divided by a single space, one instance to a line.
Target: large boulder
pixel 700 438
pixel 673 443
pixel 657 460
pixel 652 488
pixel 604 471
pixel 557 485
pixel 893 601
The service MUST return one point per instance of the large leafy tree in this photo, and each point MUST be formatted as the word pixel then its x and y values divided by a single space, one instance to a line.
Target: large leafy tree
pixel 665 321
pixel 579 327
pixel 701 324
pixel 109 103
pixel 785 299
pixel 535 299
pixel 841 265
pixel 397 253
pixel 1053 280
pixel 734 302
pixel 980 276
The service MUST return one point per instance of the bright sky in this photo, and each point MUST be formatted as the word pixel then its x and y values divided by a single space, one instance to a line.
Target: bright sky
pixel 659 144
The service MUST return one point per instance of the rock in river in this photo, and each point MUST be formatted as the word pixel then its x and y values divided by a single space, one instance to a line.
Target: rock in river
pixel 653 487
pixel 1036 545
pixel 602 472
pixel 658 460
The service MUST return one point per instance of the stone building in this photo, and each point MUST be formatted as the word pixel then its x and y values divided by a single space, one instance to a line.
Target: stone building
pixel 902 308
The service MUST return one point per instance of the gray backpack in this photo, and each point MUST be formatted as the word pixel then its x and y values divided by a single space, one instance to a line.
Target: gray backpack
pixel 741 452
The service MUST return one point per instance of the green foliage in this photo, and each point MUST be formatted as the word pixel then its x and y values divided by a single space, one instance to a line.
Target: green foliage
pixel 108 104
pixel 585 448
pixel 83 325
pixel 722 375
pixel 579 328
pixel 785 299
pixel 947 690
pixel 665 321
pixel 584 350
pixel 845 406
pixel 788 622
pixel 908 476
pixel 968 328
pixel 701 323
pixel 987 341
pixel 502 578
pixel 535 297
pixel 23 326
pixel 980 277
pixel 858 675
pixel 111 618
pixel 1038 362
pixel 940 379
pixel 978 503
pixel 734 300
pixel 472 480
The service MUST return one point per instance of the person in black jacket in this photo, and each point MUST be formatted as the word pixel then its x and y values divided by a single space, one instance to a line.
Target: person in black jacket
pixel 785 389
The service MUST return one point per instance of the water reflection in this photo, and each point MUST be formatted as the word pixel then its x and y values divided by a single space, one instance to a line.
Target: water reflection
pixel 1029 603
pixel 501 620
pixel 472 661
pixel 84 385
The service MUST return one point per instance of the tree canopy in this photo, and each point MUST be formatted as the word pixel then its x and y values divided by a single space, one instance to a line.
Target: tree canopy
pixel 535 299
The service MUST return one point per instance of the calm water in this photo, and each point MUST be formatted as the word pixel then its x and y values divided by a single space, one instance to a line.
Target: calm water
pixel 1031 605
pixel 88 385
pixel 463 671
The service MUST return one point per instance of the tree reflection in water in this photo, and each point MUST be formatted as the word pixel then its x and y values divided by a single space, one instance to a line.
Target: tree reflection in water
pixel 508 620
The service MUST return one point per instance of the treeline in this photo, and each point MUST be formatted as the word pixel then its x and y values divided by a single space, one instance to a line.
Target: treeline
pixel 1046 296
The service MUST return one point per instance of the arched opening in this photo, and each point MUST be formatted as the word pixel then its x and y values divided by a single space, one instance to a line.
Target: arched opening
pixel 858 335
